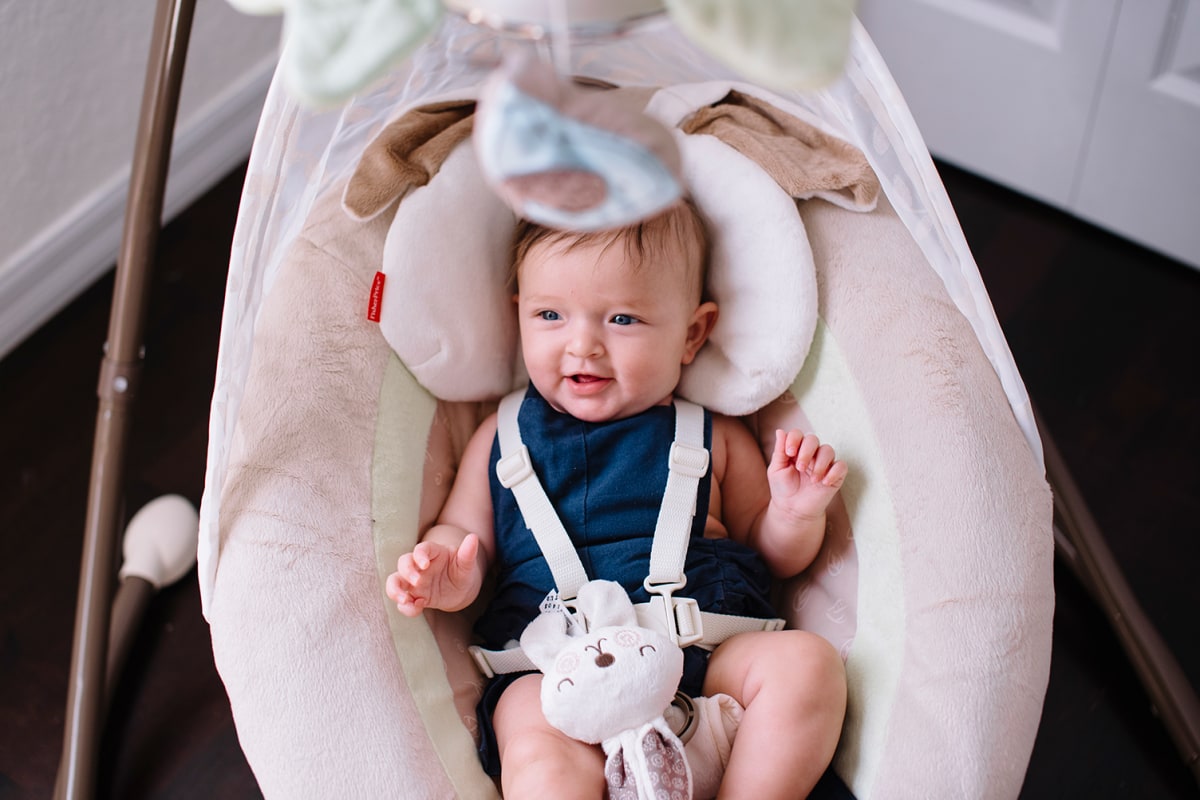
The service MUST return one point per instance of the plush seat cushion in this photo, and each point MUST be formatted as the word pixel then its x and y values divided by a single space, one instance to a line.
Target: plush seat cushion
pixel 934 583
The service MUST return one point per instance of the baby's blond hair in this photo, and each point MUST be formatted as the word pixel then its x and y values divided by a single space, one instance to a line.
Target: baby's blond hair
pixel 680 228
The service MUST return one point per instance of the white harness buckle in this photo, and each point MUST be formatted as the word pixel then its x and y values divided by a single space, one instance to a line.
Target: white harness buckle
pixel 679 618
pixel 514 468
pixel 688 460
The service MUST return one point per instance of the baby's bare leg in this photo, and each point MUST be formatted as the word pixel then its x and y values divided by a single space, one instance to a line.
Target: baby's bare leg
pixel 537 759
pixel 793 687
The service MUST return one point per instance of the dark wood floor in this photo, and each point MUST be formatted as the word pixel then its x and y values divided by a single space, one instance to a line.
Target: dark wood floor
pixel 1106 335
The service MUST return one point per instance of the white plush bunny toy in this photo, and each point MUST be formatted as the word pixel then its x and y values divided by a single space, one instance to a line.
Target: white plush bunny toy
pixel 611 686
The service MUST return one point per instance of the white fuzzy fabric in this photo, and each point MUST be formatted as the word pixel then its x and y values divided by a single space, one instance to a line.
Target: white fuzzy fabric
pixel 592 699
pixel 935 582
pixel 446 310
pixel 302 634
pixel 448 313
pixel 951 525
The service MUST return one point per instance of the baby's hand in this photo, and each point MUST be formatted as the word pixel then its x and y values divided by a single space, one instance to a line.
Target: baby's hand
pixel 804 474
pixel 435 576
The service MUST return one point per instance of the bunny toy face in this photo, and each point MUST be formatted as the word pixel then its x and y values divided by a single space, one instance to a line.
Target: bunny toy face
pixel 616 677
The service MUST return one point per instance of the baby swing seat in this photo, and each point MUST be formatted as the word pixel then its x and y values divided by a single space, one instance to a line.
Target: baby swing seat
pixel 849 306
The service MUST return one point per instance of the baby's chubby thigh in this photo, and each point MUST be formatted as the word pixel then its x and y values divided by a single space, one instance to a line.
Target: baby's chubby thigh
pixel 537 759
pixel 788 662
pixel 792 685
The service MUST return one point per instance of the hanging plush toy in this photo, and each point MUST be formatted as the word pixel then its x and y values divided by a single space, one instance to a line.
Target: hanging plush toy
pixel 611 686
pixel 572 157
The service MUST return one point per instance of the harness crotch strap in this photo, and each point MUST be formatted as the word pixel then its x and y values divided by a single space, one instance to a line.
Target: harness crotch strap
pixel 677 617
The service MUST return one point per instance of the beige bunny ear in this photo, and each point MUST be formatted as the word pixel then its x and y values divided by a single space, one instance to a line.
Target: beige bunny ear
pixel 605 604
pixel 804 160
pixel 406 154
pixel 544 637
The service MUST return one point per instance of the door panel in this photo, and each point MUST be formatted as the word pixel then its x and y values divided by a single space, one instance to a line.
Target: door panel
pixel 1005 88
pixel 1142 172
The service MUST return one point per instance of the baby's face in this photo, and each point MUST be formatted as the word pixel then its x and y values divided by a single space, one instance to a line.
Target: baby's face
pixel 602 339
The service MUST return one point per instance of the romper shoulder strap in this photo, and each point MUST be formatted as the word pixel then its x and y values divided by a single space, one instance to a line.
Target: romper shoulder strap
pixel 515 472
pixel 679 617
pixel 688 464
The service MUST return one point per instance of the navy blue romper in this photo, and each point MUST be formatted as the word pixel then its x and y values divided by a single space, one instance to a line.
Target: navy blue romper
pixel 606 481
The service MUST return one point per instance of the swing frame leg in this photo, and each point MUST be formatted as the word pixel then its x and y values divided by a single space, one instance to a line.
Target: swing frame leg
pixel 1081 545
pixel 119 378
pixel 1078 539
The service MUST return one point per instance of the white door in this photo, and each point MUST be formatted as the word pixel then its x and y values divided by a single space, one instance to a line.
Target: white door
pixel 1090 105
pixel 1004 88
pixel 1142 172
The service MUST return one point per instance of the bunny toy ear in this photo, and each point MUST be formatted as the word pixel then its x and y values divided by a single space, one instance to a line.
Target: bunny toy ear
pixel 569 157
pixel 544 638
pixel 604 604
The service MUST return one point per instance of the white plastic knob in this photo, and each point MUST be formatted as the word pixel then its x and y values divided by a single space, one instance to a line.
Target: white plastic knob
pixel 160 541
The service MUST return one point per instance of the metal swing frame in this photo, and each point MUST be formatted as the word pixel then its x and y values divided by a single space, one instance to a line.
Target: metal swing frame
pixel 106 620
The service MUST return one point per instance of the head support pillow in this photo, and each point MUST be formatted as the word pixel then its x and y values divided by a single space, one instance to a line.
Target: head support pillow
pixel 447 309
pixel 949 613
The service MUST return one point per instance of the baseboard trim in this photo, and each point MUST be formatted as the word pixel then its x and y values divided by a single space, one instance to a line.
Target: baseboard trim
pixel 81 246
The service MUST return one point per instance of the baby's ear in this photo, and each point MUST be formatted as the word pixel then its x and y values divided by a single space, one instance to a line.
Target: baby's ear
pixel 544 638
pixel 704 319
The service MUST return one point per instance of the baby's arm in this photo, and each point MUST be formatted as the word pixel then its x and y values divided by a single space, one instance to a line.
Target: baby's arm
pixel 784 515
pixel 446 569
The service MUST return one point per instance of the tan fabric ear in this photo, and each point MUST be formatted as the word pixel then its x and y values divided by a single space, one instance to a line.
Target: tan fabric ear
pixel 804 160
pixel 407 153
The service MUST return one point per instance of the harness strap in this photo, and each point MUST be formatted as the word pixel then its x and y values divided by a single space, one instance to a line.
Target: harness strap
pixel 716 629
pixel 677 617
pixel 515 472
pixel 688 464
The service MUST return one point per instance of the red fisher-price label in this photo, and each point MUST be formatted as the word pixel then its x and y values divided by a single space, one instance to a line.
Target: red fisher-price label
pixel 375 302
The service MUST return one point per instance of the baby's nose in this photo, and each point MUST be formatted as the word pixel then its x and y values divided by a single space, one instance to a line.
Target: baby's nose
pixel 585 342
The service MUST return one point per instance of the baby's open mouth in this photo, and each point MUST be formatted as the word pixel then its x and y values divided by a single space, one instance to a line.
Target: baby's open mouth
pixel 587 378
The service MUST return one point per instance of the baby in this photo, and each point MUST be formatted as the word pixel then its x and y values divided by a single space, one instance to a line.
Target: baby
pixel 607 322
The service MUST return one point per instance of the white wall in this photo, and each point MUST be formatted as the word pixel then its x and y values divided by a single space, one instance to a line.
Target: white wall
pixel 71 77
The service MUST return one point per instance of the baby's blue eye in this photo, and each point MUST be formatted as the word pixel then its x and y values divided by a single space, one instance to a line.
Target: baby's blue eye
pixel 623 319
pixel 549 316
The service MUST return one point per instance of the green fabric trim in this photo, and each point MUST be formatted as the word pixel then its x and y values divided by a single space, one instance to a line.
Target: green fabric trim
pixel 829 395
pixel 401 435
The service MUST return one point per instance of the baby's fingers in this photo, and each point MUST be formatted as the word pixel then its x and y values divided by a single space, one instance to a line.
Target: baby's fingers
pixel 399 591
pixel 409 605
pixel 429 558
pixel 822 459
pixel 464 558
pixel 423 555
pixel 806 453
pixel 832 474
pixel 779 456
pixel 393 588
pixel 788 448
pixel 408 571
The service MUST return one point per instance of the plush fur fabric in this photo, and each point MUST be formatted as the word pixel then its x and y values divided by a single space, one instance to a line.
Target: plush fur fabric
pixel 408 153
pixel 936 583
pixel 970 564
pixel 743 162
pixel 804 160
pixel 301 632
